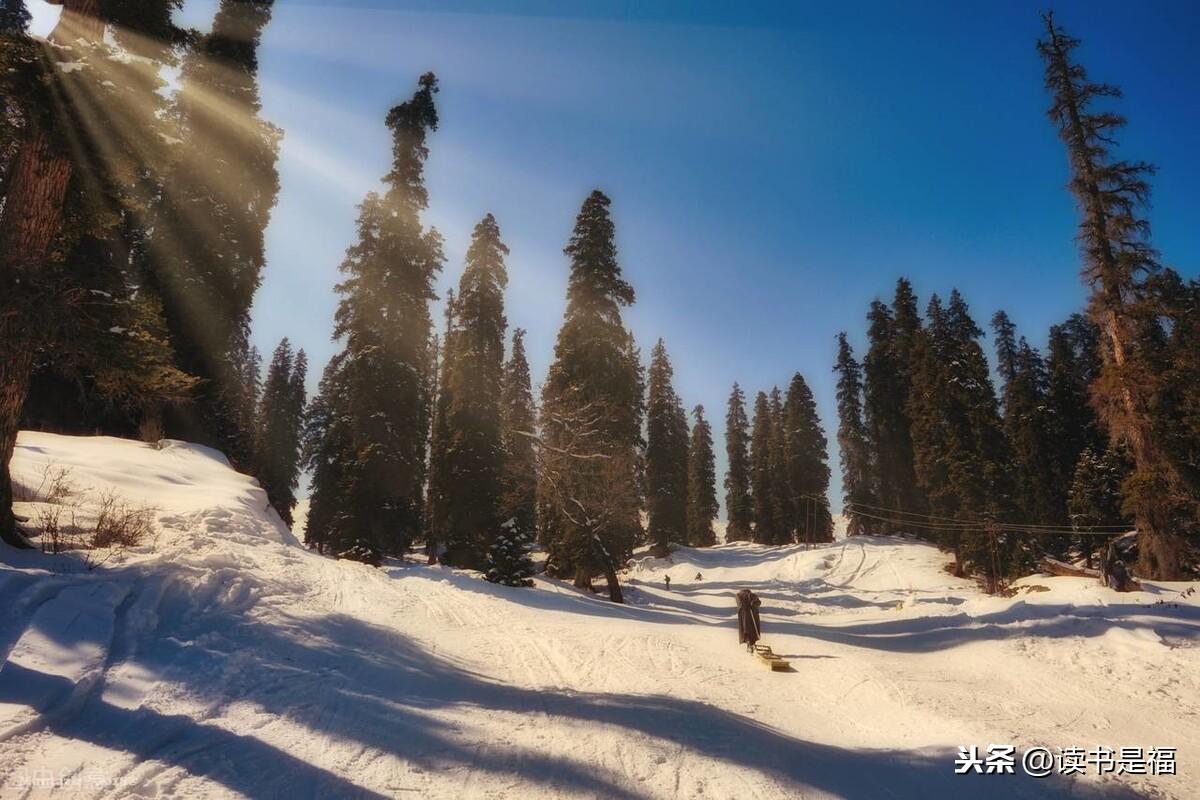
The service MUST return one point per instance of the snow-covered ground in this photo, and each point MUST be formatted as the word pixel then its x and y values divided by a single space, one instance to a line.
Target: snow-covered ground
pixel 226 660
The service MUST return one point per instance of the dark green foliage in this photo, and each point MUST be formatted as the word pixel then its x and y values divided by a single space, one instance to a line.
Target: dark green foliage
pixel 807 468
pixel 762 479
pixel 16 73
pixel 591 415
pixel 1175 403
pixel 474 365
pixel 380 413
pixel 782 528
pixel 508 557
pixel 1094 499
pixel 328 451
pixel 14 17
pixel 518 499
pixel 1072 364
pixel 206 255
pixel 1034 436
pixel 739 507
pixel 666 456
pixel 962 457
pixel 888 379
pixel 857 470
pixel 82 152
pixel 702 506
pixel 280 428
pixel 437 490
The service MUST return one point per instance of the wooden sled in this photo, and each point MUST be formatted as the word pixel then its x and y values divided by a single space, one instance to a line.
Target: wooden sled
pixel 773 662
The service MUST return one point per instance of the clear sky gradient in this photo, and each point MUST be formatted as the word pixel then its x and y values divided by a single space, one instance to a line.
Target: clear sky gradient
pixel 773 167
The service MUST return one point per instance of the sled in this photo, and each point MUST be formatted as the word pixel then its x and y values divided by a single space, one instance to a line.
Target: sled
pixel 773 662
pixel 1061 568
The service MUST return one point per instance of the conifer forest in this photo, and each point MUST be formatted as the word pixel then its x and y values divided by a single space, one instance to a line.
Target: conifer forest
pixel 584 400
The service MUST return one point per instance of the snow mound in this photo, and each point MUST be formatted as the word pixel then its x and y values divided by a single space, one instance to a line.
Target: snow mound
pixel 222 659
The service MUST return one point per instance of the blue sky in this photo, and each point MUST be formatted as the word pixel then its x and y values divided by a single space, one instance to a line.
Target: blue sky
pixel 773 167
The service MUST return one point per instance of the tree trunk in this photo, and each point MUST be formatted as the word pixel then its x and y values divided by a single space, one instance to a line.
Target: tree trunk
pixel 583 579
pixel 614 586
pixel 32 218
pixel 14 382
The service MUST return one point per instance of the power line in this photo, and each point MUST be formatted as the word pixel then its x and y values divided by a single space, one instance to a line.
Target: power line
pixel 933 522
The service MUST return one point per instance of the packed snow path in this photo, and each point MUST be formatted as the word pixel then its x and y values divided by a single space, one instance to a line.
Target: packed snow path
pixel 225 660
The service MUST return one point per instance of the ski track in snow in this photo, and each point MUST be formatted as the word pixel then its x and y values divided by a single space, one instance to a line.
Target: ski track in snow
pixel 226 660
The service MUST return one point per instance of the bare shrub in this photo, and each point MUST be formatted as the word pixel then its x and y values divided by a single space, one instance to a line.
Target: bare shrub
pixel 119 524
pixel 55 486
pixel 49 522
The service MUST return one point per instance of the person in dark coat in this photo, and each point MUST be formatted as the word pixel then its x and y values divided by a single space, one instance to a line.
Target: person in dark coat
pixel 749 629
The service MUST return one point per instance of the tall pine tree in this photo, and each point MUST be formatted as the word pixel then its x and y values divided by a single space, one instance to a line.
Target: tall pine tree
pixel 807 472
pixel 739 506
pixel 1033 433
pixel 762 478
pixel 474 365
pixel 83 149
pixel 666 456
pixel 591 415
pixel 1117 256
pixel 509 557
pixel 328 451
pixel 207 251
pixel 858 495
pixel 962 456
pixel 887 388
pixel 437 491
pixel 280 428
pixel 381 376
pixel 702 506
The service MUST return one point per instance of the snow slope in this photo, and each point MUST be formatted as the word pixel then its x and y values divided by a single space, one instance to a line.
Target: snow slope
pixel 227 661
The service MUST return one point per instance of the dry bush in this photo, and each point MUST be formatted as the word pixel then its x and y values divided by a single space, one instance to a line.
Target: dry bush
pixel 54 533
pixel 119 524
pixel 55 486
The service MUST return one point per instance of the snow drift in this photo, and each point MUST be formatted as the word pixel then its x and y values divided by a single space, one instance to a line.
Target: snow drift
pixel 222 659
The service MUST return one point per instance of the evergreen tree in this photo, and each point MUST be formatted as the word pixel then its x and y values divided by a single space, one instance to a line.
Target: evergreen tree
pixel 1072 364
pixel 1095 497
pixel 762 479
pixel 437 494
pixel 1117 257
pixel 858 496
pixel 906 327
pixel 1006 348
pixel 702 506
pixel 280 429
pixel 1033 434
pixel 887 388
pixel 1175 401
pixel 807 471
pixel 962 456
pixel 381 376
pixel 16 61
pixel 738 503
pixel 327 454
pixel 474 458
pixel 509 559
pixel 14 17
pixel 207 252
pixel 81 150
pixel 666 456
pixel 591 415
pixel 783 524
